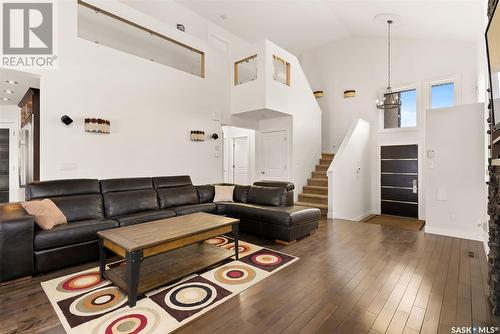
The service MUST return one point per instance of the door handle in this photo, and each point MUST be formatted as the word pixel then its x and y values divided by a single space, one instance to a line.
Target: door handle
pixel 263 172
pixel 415 186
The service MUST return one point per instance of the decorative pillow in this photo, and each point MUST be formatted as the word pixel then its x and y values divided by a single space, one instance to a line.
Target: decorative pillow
pixel 223 193
pixel 46 213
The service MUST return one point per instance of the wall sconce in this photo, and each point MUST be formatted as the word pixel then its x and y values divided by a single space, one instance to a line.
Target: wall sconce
pixel 349 93
pixel 66 119
pixel 318 94
pixel 197 135
pixel 97 125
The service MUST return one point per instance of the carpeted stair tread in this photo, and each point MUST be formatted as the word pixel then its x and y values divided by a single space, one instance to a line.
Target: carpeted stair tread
pixel 314 196
pixel 312 205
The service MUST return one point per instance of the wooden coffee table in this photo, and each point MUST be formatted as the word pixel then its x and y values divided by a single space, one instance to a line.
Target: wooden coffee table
pixel 163 251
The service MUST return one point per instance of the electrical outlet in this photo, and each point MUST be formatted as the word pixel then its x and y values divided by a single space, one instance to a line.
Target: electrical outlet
pixel 68 166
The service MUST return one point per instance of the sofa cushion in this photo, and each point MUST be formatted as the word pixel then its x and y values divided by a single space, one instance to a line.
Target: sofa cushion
pixel 71 233
pixel 171 181
pixel 283 215
pixel 125 202
pixel 206 193
pixel 289 215
pixel 272 196
pixel 129 195
pixel 187 209
pixel 177 196
pixel 241 193
pixel 80 207
pixel 224 194
pixel 289 186
pixel 241 210
pixel 142 217
pixel 126 184
pixel 58 188
pixel 46 213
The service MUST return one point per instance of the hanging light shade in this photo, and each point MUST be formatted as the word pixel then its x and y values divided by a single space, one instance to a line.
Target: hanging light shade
pixel 390 100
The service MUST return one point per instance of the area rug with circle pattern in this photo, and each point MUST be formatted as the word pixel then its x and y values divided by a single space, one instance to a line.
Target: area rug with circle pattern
pixel 87 305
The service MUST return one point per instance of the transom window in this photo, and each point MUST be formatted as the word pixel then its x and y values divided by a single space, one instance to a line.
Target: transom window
pixel 443 95
pixel 404 116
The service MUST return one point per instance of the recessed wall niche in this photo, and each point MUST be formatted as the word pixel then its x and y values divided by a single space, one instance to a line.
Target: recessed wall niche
pixel 281 70
pixel 105 28
pixel 245 70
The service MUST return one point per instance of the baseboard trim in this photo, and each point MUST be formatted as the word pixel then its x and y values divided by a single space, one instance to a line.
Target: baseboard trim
pixel 332 215
pixel 452 233
pixel 364 215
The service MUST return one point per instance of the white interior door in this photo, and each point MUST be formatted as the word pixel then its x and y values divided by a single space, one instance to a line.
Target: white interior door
pixel 274 156
pixel 241 156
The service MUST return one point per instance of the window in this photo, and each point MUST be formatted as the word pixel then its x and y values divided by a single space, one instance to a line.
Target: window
pixel 245 70
pixel 281 71
pixel 104 28
pixel 404 116
pixel 443 95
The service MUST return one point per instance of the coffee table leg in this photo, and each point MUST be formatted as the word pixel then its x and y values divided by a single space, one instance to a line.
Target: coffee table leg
pixel 102 258
pixel 134 260
pixel 235 236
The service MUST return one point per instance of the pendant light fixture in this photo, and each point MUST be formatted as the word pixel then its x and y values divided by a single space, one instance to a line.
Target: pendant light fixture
pixel 390 100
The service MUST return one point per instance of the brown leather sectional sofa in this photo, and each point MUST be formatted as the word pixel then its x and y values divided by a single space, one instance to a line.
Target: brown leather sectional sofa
pixel 90 205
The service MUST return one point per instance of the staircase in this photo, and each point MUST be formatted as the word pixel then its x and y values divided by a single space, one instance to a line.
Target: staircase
pixel 315 194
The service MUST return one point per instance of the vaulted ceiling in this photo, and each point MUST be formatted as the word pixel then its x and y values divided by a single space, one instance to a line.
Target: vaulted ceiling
pixel 300 25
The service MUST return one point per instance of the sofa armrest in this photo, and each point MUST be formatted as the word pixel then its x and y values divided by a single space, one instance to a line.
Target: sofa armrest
pixel 17 230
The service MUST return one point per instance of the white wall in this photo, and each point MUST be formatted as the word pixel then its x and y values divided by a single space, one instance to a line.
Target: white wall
pixel 360 64
pixel 456 192
pixel 349 175
pixel 152 107
pixel 298 101
pixel 171 13
pixel 280 107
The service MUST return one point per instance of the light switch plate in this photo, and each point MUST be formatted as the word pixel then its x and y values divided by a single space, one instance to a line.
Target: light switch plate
pixel 216 116
pixel 442 194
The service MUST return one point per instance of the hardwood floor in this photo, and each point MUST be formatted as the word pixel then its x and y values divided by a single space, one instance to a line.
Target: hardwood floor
pixel 351 278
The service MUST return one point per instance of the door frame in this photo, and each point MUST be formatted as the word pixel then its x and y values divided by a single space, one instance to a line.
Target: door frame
pixel 421 185
pixel 14 189
pixel 288 150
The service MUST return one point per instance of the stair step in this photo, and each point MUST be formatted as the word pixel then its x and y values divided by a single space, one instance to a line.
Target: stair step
pixel 325 161
pixel 318 190
pixel 327 156
pixel 313 198
pixel 322 207
pixel 320 168
pixel 319 175
pixel 317 182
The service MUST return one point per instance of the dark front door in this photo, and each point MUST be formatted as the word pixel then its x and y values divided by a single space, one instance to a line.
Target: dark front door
pixel 4 165
pixel 399 180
